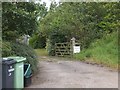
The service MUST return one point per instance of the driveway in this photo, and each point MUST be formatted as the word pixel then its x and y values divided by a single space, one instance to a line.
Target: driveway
pixel 66 73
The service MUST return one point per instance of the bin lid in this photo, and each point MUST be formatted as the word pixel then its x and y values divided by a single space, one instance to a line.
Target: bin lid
pixel 8 61
pixel 18 59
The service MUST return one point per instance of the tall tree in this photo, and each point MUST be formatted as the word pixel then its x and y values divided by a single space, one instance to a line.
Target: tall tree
pixel 20 18
pixel 84 21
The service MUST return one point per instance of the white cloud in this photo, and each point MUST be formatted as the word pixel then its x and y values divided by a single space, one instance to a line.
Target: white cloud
pixel 48 2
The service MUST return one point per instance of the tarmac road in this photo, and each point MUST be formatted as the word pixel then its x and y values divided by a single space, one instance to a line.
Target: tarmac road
pixel 65 73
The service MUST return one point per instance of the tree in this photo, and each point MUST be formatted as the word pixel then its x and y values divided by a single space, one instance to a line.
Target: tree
pixel 20 18
pixel 84 21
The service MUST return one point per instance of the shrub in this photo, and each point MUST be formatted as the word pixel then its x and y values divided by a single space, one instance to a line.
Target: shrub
pixel 6 49
pixel 102 51
pixel 52 39
pixel 50 48
pixel 38 41
pixel 18 49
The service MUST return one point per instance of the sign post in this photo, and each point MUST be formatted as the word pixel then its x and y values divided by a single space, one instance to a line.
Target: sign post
pixel 75 48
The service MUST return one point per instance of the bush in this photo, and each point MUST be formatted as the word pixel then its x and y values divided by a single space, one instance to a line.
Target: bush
pixel 102 51
pixel 18 49
pixel 50 48
pixel 38 41
pixel 52 39
pixel 6 49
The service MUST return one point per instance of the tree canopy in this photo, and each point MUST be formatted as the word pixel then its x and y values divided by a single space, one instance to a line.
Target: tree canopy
pixel 20 18
pixel 84 21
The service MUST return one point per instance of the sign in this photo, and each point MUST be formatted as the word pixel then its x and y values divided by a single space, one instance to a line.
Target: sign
pixel 76 49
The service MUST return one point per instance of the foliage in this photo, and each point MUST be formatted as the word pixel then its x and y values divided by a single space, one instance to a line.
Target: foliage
pixel 38 41
pixel 84 21
pixel 103 51
pixel 50 47
pixel 6 49
pixel 17 49
pixel 56 37
pixel 20 18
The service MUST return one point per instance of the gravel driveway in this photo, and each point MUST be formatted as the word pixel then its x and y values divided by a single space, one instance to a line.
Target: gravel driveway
pixel 64 73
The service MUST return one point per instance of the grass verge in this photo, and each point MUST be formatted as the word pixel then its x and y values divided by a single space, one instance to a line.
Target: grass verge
pixel 41 52
pixel 103 51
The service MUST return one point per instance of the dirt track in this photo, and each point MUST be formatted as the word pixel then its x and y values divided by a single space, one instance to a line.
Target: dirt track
pixel 64 73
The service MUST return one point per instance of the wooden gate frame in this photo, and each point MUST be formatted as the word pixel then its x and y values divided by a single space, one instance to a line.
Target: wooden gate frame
pixel 63 49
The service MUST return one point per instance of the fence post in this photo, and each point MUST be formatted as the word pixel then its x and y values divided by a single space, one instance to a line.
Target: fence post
pixel 73 44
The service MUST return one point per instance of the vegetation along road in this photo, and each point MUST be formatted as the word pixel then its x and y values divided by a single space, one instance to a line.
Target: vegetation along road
pixel 57 72
pixel 94 26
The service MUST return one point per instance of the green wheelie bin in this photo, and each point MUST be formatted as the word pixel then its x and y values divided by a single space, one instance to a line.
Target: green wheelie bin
pixel 19 72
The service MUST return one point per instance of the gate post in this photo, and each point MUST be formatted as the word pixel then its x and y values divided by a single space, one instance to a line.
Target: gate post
pixel 73 44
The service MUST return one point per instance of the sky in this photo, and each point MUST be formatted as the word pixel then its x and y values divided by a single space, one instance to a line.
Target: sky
pixel 48 2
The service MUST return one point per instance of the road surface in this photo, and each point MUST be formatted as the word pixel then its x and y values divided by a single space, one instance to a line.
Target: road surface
pixel 65 73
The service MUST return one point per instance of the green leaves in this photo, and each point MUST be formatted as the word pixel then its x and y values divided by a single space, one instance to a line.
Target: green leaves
pixel 84 21
pixel 20 18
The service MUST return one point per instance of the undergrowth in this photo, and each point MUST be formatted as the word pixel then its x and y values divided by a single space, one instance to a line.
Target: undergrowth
pixel 103 51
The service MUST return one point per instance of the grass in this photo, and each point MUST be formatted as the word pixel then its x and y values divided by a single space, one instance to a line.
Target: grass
pixel 103 51
pixel 41 52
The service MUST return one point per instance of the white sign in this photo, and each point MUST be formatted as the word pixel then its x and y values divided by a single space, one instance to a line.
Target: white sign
pixel 76 49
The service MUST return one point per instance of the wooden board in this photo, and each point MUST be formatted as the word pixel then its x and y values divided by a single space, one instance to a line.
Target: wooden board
pixel 63 49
